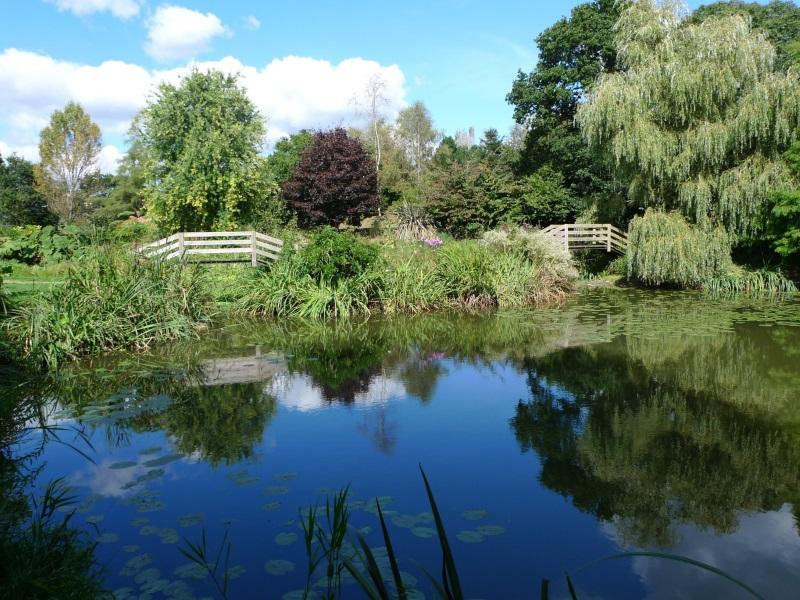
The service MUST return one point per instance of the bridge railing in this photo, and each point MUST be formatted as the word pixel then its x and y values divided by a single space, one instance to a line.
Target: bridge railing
pixel 216 246
pixel 589 236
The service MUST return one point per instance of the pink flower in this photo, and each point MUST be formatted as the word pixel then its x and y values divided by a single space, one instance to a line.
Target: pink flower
pixel 433 242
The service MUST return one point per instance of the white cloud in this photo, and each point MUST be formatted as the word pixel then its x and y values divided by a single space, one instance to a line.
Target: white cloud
pixel 124 9
pixel 109 158
pixel 177 33
pixel 252 22
pixel 292 93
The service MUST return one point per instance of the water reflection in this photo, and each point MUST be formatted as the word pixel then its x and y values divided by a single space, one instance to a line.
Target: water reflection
pixel 671 420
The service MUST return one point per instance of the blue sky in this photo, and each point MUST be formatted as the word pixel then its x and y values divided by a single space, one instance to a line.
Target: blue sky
pixel 458 56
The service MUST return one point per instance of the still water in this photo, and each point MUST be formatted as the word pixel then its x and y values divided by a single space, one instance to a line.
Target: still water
pixel 623 421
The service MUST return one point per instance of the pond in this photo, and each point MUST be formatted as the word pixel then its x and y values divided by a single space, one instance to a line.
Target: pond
pixel 623 421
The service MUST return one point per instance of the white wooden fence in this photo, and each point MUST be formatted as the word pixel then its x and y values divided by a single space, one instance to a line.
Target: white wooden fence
pixel 589 236
pixel 216 246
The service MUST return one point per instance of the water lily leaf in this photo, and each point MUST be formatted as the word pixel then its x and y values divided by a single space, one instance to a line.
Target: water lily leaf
pixel 270 506
pixel 491 530
pixel 148 530
pixel 169 536
pixel 191 519
pixel 236 571
pixel 284 476
pixel 95 519
pixel 164 460
pixel 424 532
pixel 140 521
pixel 123 464
pixel 147 575
pixel 474 515
pixel 135 564
pixel 130 548
pixel 407 521
pixel 279 567
pixel 242 478
pixel 108 538
pixel 148 451
pixel 191 571
pixel 284 539
pixel 276 490
pixel 470 537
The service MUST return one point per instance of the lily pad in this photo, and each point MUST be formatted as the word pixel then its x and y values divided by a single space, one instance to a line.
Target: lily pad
pixel 95 519
pixel 270 506
pixel 286 538
pixel 169 536
pixel 191 571
pixel 155 586
pixel 474 515
pixel 191 519
pixel 279 567
pixel 490 530
pixel 149 451
pixel 242 478
pixel 284 476
pixel 140 521
pixel 424 532
pixel 108 538
pixel 123 464
pixel 276 490
pixel 148 530
pixel 135 564
pixel 130 548
pixel 147 576
pixel 163 460
pixel 406 521
pixel 469 537
pixel 236 571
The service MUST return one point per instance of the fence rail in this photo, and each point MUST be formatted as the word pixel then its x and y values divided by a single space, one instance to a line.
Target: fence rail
pixel 213 246
pixel 589 236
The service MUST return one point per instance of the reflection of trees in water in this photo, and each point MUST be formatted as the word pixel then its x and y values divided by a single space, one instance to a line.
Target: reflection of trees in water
pixel 644 430
pixel 221 424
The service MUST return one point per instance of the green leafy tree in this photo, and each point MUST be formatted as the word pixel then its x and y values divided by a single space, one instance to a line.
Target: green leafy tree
pixel 572 54
pixel 784 219
pixel 779 19
pixel 335 181
pixel 699 118
pixel 201 141
pixel 287 153
pixel 20 201
pixel 68 151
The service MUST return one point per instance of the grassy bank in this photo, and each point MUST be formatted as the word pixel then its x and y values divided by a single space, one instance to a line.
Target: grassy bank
pixel 110 299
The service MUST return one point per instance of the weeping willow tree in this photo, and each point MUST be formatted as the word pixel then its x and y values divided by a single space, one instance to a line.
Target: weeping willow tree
pixel 697 118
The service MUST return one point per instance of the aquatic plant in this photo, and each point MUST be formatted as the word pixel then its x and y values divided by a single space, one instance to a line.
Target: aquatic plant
pixel 111 300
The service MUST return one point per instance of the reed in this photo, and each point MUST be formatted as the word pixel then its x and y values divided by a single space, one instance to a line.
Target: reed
pixel 111 300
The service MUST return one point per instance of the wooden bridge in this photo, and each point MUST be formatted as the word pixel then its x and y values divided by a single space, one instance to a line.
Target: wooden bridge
pixel 589 236
pixel 216 246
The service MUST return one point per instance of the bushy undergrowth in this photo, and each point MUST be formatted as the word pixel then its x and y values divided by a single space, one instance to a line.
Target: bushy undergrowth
pixel 666 251
pixel 111 300
pixel 505 269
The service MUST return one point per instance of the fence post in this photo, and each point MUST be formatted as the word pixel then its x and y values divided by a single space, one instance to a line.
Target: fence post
pixel 253 255
pixel 608 238
pixel 181 249
pixel 566 238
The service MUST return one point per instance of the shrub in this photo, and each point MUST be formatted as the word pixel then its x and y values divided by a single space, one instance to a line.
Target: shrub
pixel 664 250
pixel 31 244
pixel 111 300
pixel 133 230
pixel 413 222
pixel 336 255
pixel 335 182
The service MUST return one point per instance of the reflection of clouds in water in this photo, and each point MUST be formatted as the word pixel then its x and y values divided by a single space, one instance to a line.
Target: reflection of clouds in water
pixel 104 480
pixel 299 392
pixel 101 479
pixel 763 553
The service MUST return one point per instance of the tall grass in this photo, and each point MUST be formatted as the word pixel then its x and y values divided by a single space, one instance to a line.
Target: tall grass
pixel 738 281
pixel 502 270
pixel 111 300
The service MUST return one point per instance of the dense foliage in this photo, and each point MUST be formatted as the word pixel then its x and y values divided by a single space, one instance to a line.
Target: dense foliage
pixel 332 256
pixel 698 119
pixel 664 250
pixel 110 300
pixel 784 220
pixel 572 54
pixel 335 181
pixel 20 202
pixel 201 140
